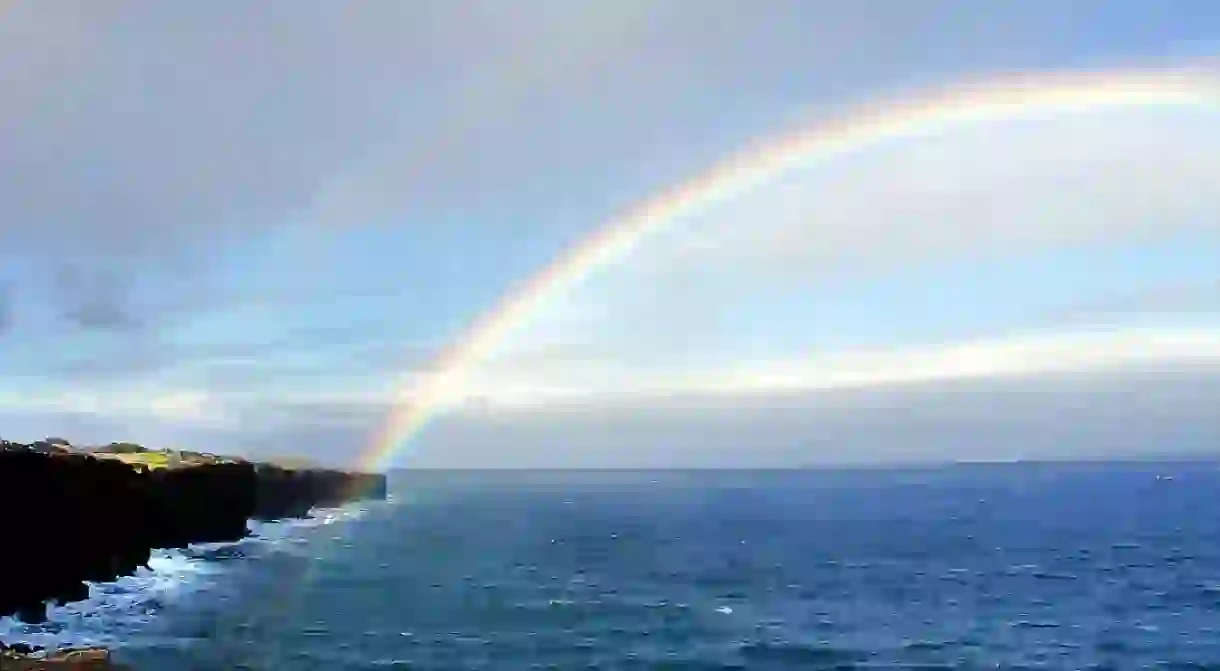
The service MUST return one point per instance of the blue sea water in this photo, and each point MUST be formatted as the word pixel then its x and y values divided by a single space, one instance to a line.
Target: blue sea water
pixel 1019 566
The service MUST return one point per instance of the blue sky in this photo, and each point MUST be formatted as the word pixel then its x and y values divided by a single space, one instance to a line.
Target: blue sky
pixel 242 228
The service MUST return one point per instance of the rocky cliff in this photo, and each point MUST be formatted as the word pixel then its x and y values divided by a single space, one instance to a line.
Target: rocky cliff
pixel 74 517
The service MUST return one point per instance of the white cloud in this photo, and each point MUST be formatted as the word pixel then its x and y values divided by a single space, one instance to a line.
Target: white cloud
pixel 537 385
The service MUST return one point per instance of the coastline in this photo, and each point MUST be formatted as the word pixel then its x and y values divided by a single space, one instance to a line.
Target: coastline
pixel 96 515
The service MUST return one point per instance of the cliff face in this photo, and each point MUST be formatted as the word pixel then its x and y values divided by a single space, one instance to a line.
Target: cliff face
pixel 72 517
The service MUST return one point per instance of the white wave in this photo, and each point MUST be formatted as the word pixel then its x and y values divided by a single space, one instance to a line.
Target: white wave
pixel 113 608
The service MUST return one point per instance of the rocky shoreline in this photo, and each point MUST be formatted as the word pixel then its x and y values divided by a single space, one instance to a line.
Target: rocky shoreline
pixel 74 516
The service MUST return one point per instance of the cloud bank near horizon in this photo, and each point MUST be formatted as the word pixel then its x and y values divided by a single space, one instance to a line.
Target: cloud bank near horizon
pixel 1120 394
pixel 1137 411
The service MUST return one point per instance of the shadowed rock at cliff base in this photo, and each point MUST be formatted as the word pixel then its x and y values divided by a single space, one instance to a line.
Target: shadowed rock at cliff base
pixel 77 517
pixel 284 492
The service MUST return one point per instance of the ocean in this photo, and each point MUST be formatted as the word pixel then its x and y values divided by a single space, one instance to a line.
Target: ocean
pixel 1003 566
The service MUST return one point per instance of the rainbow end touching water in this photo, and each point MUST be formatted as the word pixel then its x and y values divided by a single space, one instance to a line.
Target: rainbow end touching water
pixel 1000 99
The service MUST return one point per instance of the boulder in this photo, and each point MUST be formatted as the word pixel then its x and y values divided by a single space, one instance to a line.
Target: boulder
pixel 80 655
pixel 68 659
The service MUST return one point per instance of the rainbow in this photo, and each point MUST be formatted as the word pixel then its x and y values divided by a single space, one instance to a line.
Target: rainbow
pixel 1006 98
